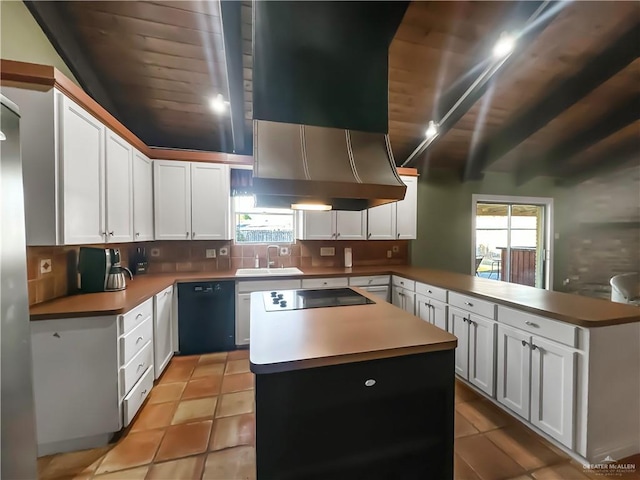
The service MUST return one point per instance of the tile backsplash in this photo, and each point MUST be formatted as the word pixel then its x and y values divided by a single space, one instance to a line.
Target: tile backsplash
pixel 190 256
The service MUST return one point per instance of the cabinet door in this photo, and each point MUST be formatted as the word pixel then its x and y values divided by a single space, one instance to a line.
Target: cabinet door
pixel 439 314
pixel 397 296
pixel 172 200
pixel 318 225
pixel 482 353
pixel 514 368
pixel 243 323
pixel 381 224
pixel 459 323
pixel 210 201
pixel 119 185
pixel 553 389
pixel 423 308
pixel 409 302
pixel 162 332
pixel 83 186
pixel 142 198
pixel 351 225
pixel 407 211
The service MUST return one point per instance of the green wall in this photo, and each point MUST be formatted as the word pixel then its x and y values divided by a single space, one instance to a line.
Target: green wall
pixel 21 38
pixel 444 218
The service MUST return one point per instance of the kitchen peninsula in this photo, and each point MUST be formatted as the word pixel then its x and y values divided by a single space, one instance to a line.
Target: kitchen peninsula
pixel 351 391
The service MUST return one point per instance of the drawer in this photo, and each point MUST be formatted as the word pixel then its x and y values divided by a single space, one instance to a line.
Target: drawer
pixel 404 283
pixel 436 293
pixel 259 286
pixel 324 282
pixel 134 317
pixel 132 342
pixel 367 281
pixel 473 305
pixel 544 327
pixel 132 371
pixel 140 391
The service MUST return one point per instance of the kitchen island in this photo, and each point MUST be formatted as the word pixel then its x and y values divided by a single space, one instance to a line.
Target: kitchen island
pixel 353 391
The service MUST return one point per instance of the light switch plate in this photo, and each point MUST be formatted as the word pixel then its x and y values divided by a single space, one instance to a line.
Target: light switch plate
pixel 210 253
pixel 45 265
pixel 327 251
pixel 395 249
pixel 389 253
pixel 284 251
pixel 224 251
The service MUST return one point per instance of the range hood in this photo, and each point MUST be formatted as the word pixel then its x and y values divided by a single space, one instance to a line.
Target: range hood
pixel 304 166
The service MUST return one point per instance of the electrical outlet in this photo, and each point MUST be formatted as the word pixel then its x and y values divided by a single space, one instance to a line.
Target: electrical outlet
pixel 210 253
pixel 155 252
pixel 395 249
pixel 284 251
pixel 327 251
pixel 389 253
pixel 224 251
pixel 45 265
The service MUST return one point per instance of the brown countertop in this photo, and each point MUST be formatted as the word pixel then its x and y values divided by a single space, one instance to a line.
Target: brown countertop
pixel 583 311
pixel 296 339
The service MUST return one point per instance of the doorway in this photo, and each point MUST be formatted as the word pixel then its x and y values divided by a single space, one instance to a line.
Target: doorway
pixel 511 239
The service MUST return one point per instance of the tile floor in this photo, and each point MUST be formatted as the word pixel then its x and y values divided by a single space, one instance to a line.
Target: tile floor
pixel 198 423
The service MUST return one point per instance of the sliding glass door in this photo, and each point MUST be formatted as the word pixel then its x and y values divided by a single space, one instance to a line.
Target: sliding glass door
pixel 510 242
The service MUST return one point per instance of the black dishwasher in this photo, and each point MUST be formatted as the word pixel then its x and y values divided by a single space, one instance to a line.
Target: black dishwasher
pixel 206 317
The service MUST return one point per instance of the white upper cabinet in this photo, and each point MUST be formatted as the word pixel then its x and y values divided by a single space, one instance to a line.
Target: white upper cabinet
pixel 333 225
pixel 382 222
pixel 172 199
pixel 119 186
pixel 82 145
pixel 407 210
pixel 351 225
pixel 210 201
pixel 142 198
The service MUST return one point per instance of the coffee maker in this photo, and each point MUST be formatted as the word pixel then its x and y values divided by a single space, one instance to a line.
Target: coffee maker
pixel 100 270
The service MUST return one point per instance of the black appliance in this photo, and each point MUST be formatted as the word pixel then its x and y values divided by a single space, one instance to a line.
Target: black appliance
pixel 303 299
pixel 138 263
pixel 206 317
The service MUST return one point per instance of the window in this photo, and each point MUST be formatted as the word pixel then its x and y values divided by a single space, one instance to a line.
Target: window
pixel 261 225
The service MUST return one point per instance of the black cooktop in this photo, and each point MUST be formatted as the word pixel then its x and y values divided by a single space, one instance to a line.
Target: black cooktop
pixel 303 299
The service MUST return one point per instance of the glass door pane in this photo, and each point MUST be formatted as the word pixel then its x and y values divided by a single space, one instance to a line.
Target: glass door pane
pixel 492 237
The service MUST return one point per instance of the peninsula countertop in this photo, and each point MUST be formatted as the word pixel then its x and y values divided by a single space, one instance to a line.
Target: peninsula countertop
pixel 297 339
pixel 574 309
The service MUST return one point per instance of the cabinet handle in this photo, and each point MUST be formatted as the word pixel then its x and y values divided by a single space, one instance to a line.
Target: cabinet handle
pixel 531 324
pixel 471 322
pixel 370 282
pixel 524 344
pixel 429 291
pixel 193 234
pixel 324 283
pixel 140 366
pixel 337 235
pixel 369 236
pixel 111 234
pixel 464 320
pixel 534 347
pixel 187 234
pixel 57 335
pixel 137 234
pixel 143 392
pixel 138 316
pixel 401 294
pixel 139 338
pixel 469 304
pixel 398 236
pixel 333 235
pixel 167 292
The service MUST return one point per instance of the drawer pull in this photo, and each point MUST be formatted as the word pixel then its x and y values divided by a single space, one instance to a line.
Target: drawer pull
pixel 469 304
pixel 143 392
pixel 167 292
pixel 138 316
pixel 139 367
pixel 324 283
pixel 370 280
pixel 534 347
pixel 57 335
pixel 429 291
pixel 464 320
pixel 401 283
pixel 138 339
pixel 369 383
pixel 524 344
pixel 531 324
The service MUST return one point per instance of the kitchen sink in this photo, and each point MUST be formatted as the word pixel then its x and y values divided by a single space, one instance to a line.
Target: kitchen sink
pixel 248 272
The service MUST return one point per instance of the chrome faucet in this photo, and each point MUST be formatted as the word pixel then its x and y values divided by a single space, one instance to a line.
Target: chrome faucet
pixel 271 263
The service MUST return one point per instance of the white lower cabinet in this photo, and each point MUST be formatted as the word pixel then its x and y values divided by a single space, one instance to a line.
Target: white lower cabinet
pixel 163 330
pixel 404 299
pixel 514 370
pixel 431 311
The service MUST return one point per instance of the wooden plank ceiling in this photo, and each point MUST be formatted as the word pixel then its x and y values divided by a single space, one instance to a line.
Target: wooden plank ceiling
pixel 156 64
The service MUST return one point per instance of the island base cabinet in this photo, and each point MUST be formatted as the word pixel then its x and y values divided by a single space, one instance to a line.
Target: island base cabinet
pixel 358 420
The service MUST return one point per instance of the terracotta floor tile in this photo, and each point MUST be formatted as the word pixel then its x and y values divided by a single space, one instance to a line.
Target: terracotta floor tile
pixel 178 372
pixel 238 382
pixel 138 473
pixel 233 431
pixel 208 369
pixel 134 450
pixel 167 392
pixel 238 354
pixel 237 366
pixel 219 357
pixel 185 360
pixel 203 387
pixel 486 460
pixel 524 448
pixel 563 471
pixel 43 462
pixel 154 416
pixel 183 469
pixel 235 404
pixel 465 394
pixel 233 463
pixel 184 440
pixel 462 471
pixel 483 415
pixel 74 464
pixel 463 427
pixel 521 477
pixel 197 409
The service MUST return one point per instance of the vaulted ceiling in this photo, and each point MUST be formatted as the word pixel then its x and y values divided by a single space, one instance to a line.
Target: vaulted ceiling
pixel 565 103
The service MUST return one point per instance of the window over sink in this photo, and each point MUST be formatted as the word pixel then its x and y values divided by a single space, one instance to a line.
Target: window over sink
pixel 261 225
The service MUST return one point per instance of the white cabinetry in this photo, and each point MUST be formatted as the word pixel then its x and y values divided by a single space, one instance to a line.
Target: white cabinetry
pixel 142 198
pixel 382 222
pixel 119 187
pixel 407 211
pixel 334 225
pixel 431 311
pixel 191 201
pixel 163 329
pixel 402 294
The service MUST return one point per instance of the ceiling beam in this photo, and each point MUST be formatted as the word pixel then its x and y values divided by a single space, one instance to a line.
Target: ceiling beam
pixel 468 89
pixel 627 153
pixel 56 28
pixel 230 12
pixel 553 162
pixel 604 66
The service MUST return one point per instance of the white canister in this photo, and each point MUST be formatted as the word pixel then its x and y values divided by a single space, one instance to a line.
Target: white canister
pixel 348 259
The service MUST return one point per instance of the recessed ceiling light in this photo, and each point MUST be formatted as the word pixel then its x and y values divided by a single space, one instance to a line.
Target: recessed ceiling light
pixel 504 46
pixel 432 130
pixel 218 104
